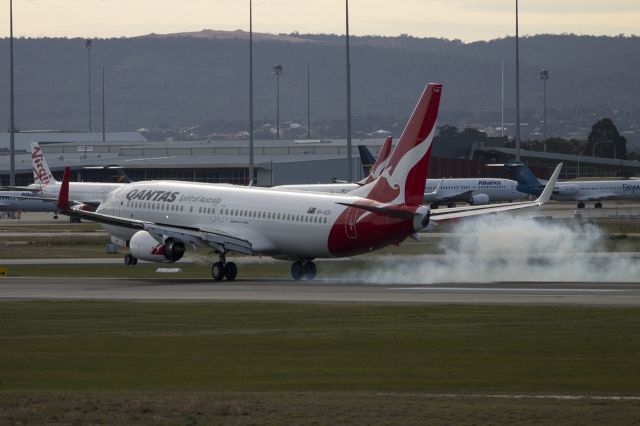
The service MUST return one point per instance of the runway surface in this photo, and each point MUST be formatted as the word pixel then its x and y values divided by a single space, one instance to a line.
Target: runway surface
pixel 595 294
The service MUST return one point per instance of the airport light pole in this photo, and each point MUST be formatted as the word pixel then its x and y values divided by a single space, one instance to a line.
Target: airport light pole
pixel 12 124
pixel 87 45
pixel 251 171
pixel 104 131
pixel 349 153
pixel 544 76
pixel 517 88
pixel 277 71
pixel 502 97
pixel 308 103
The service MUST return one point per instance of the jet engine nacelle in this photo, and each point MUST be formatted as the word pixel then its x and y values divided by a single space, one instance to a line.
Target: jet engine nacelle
pixel 421 218
pixel 478 199
pixel 143 246
pixel 567 189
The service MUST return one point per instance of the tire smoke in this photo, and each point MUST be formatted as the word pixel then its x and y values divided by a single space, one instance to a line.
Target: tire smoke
pixel 505 249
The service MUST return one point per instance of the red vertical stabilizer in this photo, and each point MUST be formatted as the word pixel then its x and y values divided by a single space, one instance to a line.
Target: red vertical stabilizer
pixel 404 179
pixel 63 195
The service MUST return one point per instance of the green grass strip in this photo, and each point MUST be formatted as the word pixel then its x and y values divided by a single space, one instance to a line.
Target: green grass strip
pixel 116 346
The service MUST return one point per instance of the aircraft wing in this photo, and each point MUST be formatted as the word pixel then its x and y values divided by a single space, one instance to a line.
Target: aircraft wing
pixel 435 192
pixel 459 212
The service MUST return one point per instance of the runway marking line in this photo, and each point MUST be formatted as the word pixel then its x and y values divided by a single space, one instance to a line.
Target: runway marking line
pixel 502 396
pixel 572 290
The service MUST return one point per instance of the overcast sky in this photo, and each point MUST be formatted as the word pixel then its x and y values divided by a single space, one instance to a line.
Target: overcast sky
pixel 467 20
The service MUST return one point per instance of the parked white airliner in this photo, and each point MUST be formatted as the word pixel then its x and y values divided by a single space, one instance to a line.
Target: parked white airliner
pixel 580 191
pixel 14 201
pixel 45 185
pixel 43 193
pixel 159 220
pixel 344 188
pixel 474 191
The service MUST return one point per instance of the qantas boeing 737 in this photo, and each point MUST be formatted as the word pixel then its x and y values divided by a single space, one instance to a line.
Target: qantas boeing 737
pixel 160 220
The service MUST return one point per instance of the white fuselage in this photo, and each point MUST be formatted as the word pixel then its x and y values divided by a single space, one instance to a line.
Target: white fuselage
pixel 277 222
pixel 597 190
pixel 499 190
pixel 451 189
pixel 13 201
pixel 78 191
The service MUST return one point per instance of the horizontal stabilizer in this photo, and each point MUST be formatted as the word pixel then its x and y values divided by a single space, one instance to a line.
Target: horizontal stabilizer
pixel 382 209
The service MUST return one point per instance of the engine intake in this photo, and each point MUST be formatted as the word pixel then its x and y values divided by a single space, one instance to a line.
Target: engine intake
pixel 144 247
pixel 478 199
pixel 421 218
pixel 173 250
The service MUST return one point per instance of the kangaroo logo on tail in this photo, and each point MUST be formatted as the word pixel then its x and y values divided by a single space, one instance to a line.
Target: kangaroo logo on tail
pixel 404 177
pixel 41 173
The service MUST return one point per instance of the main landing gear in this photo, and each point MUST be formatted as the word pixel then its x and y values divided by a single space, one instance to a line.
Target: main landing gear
pixel 129 260
pixel 223 269
pixel 597 205
pixel 451 205
pixel 303 270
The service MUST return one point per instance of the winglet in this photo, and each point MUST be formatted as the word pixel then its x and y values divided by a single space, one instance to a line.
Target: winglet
pixel 63 195
pixel 435 192
pixel 548 189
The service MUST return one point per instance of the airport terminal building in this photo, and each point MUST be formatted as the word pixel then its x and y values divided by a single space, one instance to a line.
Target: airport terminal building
pixel 277 162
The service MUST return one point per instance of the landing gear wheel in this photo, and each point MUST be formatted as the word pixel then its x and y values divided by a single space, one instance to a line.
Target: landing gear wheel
pixel 434 206
pixel 297 270
pixel 598 205
pixel 309 270
pixel 217 271
pixel 129 260
pixel 230 271
pixel 581 205
pixel 451 205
